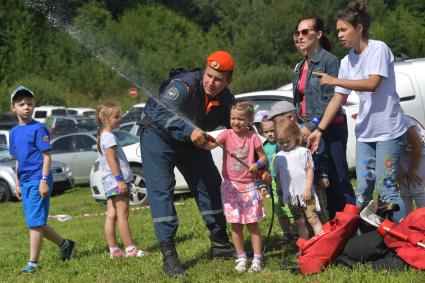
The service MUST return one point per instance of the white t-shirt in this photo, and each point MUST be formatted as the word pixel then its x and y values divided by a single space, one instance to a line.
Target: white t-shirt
pixel 380 113
pixel 291 167
pixel 108 140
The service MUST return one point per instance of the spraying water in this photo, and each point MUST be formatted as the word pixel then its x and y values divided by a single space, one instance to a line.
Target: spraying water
pixel 61 15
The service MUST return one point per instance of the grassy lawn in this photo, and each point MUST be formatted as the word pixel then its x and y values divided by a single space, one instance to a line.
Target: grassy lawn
pixel 92 263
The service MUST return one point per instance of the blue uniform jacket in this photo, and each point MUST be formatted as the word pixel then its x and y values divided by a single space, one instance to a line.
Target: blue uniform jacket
pixel 183 105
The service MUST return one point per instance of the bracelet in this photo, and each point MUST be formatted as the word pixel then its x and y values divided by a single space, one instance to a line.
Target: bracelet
pixel 320 129
pixel 259 164
pixel 119 177
pixel 44 177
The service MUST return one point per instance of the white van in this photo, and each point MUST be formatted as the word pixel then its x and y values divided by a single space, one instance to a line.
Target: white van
pixel 42 112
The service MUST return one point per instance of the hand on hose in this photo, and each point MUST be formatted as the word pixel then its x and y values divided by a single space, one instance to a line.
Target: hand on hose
pixel 198 138
pixel 265 177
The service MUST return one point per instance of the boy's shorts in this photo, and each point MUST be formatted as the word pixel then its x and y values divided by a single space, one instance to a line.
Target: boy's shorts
pixel 309 210
pixel 36 209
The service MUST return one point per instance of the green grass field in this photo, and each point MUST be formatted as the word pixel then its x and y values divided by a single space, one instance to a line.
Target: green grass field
pixel 92 263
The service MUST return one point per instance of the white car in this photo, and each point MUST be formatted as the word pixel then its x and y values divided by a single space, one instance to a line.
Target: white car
pixel 4 137
pixel 80 111
pixel 78 150
pixel 41 113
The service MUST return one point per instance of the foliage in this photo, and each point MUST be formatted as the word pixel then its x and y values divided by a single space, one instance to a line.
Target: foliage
pixel 97 49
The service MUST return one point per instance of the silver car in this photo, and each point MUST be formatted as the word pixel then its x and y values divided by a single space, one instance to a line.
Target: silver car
pixel 62 176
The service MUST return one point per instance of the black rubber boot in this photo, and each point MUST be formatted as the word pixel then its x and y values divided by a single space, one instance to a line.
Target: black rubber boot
pixel 221 247
pixel 170 259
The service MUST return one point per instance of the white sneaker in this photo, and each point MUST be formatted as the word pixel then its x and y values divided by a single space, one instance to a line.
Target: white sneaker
pixel 240 265
pixel 256 266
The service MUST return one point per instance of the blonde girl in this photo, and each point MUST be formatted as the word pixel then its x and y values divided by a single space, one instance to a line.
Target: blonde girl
pixel 242 201
pixel 294 177
pixel 116 178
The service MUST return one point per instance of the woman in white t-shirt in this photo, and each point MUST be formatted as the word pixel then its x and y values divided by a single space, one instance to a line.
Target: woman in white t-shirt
pixel 368 69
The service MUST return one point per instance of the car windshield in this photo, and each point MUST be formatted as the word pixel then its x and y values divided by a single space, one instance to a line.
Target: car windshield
pixel 136 110
pixel 262 103
pixel 87 122
pixel 125 138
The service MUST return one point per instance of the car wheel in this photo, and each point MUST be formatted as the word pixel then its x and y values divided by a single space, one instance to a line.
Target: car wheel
pixel 4 191
pixel 139 194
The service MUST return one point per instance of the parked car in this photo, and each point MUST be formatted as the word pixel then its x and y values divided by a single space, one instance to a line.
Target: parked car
pixel 134 113
pixel 131 127
pixel 8 121
pixel 61 125
pixel 78 150
pixel 4 137
pixel 62 176
pixel 80 111
pixel 41 113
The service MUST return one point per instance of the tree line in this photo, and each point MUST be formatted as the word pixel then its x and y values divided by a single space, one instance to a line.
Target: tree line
pixel 78 53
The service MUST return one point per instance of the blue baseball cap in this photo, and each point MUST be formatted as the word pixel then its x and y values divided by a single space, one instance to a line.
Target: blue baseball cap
pixel 20 90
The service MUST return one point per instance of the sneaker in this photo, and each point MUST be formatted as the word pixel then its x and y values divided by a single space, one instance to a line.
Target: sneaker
pixel 69 251
pixel 116 254
pixel 256 266
pixel 134 252
pixel 240 265
pixel 28 268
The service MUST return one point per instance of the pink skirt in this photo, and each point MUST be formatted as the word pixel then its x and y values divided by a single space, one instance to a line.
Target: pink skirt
pixel 241 206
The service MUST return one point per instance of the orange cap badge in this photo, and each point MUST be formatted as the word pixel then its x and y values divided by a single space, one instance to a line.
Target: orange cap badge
pixel 221 61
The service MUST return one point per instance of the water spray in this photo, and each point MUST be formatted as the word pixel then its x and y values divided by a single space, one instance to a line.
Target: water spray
pixel 61 14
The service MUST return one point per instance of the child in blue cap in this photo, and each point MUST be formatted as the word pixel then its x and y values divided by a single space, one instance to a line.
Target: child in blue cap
pixel 30 144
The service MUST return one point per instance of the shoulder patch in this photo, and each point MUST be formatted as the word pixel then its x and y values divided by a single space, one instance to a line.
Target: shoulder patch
pixel 172 93
pixel 45 138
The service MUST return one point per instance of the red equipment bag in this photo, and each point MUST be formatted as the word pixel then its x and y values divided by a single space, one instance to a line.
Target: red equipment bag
pixel 407 238
pixel 317 252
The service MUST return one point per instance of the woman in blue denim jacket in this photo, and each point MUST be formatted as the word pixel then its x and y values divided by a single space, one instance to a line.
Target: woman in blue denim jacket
pixel 311 100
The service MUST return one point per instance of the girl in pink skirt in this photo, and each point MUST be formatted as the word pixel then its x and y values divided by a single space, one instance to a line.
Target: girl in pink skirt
pixel 242 201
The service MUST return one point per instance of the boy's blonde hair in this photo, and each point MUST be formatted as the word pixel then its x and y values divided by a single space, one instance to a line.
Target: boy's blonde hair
pixel 287 127
pixel 247 108
pixel 103 110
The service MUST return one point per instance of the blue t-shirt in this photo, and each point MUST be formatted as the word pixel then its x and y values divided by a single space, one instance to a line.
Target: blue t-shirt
pixel 27 143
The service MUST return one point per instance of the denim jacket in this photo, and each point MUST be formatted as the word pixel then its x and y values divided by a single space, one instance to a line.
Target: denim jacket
pixel 317 97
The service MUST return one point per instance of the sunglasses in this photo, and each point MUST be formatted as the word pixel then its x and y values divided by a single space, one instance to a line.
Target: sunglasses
pixel 303 32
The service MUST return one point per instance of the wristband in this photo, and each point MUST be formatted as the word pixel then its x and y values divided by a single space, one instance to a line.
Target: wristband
pixel 320 129
pixel 119 177
pixel 259 164
pixel 44 177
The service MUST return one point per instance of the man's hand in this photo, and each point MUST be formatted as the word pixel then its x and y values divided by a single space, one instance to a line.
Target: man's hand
pixel 198 138
pixel 43 188
pixel 325 79
pixel 18 192
pixel 123 187
pixel 314 140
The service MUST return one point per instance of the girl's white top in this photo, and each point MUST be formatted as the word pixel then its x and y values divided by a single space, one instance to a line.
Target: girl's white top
pixel 291 167
pixel 380 114
pixel 108 140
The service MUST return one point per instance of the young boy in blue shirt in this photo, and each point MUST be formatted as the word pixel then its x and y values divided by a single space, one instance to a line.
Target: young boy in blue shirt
pixel 30 144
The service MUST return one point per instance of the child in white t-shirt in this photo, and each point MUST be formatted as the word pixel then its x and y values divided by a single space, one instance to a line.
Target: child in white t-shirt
pixel 412 166
pixel 116 180
pixel 294 177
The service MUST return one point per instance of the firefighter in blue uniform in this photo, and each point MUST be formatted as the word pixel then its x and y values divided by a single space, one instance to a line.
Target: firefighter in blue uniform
pixel 173 135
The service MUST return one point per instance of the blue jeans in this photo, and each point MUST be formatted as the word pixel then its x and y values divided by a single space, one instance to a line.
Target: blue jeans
pixel 377 163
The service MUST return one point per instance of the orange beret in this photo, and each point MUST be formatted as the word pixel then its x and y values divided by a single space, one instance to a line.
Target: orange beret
pixel 221 61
